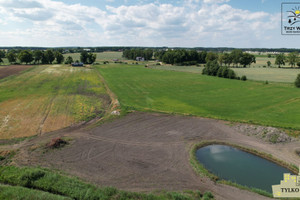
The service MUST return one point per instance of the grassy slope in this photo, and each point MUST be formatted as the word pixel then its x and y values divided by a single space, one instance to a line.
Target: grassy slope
pixel 186 93
pixel 21 193
pixel 61 95
pixel 47 181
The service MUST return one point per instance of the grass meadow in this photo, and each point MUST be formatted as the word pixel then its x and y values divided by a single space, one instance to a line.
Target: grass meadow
pixel 104 56
pixel 144 89
pixel 42 182
pixel 48 98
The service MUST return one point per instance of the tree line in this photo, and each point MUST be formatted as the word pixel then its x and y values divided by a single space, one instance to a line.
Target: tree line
pixel 44 57
pixel 132 54
pixel 292 58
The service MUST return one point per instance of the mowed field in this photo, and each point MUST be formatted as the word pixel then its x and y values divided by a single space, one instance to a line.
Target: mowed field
pixel 140 88
pixel 48 98
pixel 104 56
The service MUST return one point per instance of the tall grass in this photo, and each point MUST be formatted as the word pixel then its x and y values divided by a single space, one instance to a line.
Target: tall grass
pixel 47 181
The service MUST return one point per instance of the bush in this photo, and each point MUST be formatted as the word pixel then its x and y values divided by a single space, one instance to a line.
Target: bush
pixel 297 81
pixel 231 74
pixel 56 143
pixel 244 78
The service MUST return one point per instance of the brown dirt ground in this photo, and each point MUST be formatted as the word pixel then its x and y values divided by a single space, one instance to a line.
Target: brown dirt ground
pixel 145 152
pixel 12 69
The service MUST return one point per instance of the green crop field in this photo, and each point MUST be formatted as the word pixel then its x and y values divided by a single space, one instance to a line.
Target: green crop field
pixel 48 98
pixel 141 88
pixel 104 56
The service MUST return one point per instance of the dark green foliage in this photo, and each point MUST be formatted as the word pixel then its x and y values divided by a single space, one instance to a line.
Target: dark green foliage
pixel 11 56
pixel 280 60
pixel 48 57
pixel 59 57
pixel 69 60
pixel 87 58
pixel 244 78
pixel 37 56
pixel 212 68
pixel 131 54
pixel 181 57
pixel 25 56
pixel 246 59
pixel 297 81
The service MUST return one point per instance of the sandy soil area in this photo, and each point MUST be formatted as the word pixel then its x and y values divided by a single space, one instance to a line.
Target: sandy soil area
pixel 146 152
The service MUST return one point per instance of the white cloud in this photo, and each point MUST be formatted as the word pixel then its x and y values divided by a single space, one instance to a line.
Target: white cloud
pixel 55 23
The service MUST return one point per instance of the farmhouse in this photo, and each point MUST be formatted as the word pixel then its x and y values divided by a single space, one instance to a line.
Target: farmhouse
pixel 140 59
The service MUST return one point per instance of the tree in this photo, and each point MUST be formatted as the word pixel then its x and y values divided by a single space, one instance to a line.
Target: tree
pixel 2 55
pixel 247 59
pixel 37 56
pixel 292 58
pixel 211 56
pixel 297 81
pixel 269 63
pixel 49 56
pixel 91 58
pixel 280 60
pixel 84 56
pixel 227 59
pixel 221 59
pixel 25 56
pixel 236 56
pixel 59 57
pixel 11 57
pixel 69 60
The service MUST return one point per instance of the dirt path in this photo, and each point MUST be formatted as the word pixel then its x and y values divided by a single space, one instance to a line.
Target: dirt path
pixel 146 152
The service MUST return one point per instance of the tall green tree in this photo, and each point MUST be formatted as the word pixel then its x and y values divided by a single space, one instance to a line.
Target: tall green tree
pixel 211 56
pixel 59 57
pixel 247 59
pixel 37 56
pixel 69 60
pixel 236 56
pixel 227 59
pixel 11 57
pixel 25 56
pixel 49 56
pixel 84 56
pixel 280 60
pixel 292 58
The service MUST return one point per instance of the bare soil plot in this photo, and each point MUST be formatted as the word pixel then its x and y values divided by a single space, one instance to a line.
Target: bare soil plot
pixel 146 152
pixel 13 69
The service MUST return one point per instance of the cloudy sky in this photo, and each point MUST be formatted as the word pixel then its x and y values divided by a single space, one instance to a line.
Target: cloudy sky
pixel 186 23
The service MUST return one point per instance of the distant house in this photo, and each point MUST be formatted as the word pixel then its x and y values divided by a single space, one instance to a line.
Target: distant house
pixel 77 64
pixel 140 59
pixel 87 49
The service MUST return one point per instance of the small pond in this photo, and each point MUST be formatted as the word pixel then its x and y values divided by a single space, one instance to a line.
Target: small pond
pixel 232 164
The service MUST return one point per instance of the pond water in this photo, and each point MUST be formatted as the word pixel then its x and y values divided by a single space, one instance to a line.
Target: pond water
pixel 232 164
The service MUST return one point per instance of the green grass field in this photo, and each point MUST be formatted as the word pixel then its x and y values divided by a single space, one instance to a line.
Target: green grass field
pixel 48 98
pixel 147 89
pixel 104 56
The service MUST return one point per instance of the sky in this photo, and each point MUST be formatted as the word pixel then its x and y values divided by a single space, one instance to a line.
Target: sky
pixel 153 23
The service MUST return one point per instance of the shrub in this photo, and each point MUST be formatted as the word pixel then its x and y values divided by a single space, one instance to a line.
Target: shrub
pixel 207 196
pixel 297 81
pixel 244 78
pixel 231 74
pixel 267 82
pixel 56 143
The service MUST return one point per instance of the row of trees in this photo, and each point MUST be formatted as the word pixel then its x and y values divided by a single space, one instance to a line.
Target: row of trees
pixel 181 56
pixel 44 57
pixel 36 56
pixel 292 58
pixel 133 53
pixel 212 68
